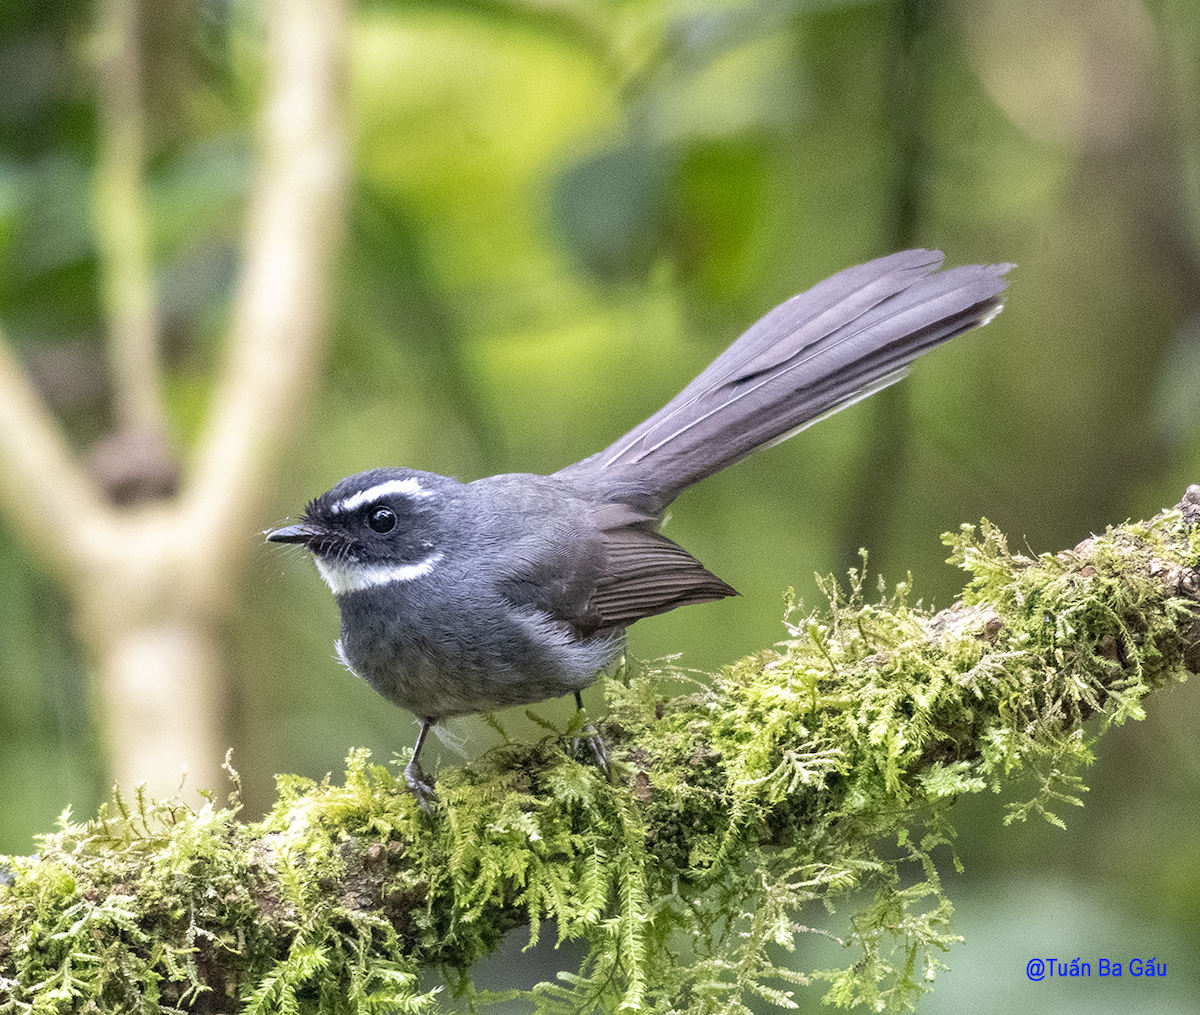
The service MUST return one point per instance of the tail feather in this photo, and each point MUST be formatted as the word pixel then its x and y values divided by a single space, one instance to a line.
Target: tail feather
pixel 833 345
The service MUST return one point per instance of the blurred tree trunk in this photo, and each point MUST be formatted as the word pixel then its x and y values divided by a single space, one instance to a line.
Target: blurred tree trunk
pixel 149 568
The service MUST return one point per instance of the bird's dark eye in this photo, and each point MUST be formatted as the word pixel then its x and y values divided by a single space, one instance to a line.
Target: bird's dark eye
pixel 382 519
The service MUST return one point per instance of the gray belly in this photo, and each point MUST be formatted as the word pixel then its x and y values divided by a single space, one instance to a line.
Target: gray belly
pixel 437 670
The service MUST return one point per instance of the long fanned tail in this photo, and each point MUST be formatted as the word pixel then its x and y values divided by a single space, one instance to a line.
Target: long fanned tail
pixel 839 342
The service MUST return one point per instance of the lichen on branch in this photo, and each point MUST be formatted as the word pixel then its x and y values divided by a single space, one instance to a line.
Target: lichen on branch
pixel 825 766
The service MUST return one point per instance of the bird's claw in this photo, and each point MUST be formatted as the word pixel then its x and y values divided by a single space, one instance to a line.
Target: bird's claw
pixel 420 785
pixel 595 742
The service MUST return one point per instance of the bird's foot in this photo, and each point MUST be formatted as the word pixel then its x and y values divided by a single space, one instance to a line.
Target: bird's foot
pixel 420 785
pixel 595 742
pixel 599 751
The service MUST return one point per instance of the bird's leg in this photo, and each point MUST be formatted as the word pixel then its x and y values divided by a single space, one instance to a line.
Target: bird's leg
pixel 595 742
pixel 417 781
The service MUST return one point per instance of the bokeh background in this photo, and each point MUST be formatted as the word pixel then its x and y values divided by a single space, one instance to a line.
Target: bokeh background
pixel 559 213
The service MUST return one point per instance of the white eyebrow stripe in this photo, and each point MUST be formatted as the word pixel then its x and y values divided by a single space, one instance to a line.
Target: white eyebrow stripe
pixel 408 487
pixel 343 578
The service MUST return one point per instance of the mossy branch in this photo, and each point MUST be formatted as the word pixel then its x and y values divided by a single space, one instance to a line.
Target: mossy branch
pixel 797 777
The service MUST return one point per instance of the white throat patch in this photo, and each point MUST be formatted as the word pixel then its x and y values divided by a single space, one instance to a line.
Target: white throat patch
pixel 343 577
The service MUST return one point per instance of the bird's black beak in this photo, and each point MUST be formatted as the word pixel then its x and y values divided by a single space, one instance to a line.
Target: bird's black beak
pixel 303 534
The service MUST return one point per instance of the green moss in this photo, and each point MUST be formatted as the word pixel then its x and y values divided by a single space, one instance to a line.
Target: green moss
pixel 825 767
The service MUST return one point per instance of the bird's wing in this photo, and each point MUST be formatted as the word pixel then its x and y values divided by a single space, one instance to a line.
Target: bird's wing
pixel 604 567
pixel 645 574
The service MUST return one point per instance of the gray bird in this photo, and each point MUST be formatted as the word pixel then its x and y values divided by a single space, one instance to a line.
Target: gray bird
pixel 459 598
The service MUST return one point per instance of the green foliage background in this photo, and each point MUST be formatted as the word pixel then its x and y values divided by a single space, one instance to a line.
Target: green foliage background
pixel 560 215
